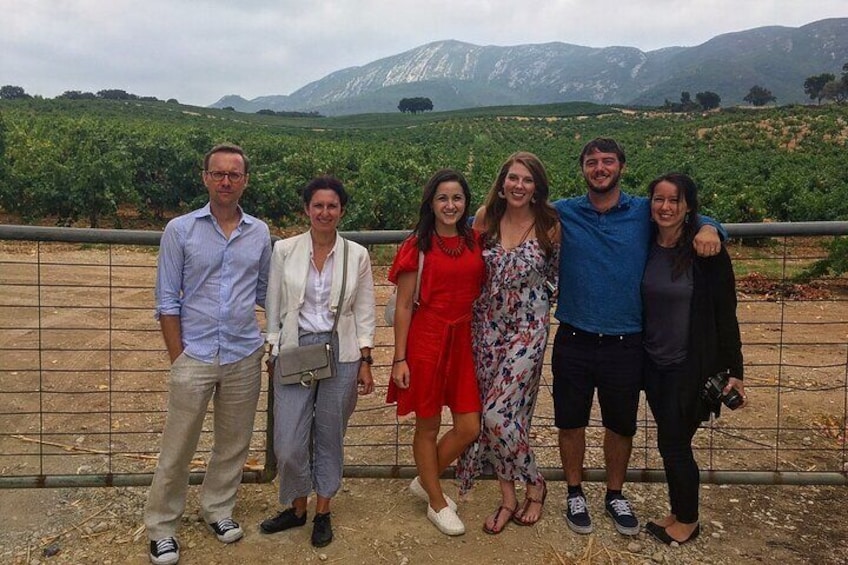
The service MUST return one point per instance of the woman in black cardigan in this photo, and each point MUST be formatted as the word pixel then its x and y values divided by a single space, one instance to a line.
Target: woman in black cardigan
pixel 690 334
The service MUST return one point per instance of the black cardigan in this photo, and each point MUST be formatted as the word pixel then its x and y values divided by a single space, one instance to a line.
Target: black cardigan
pixel 714 341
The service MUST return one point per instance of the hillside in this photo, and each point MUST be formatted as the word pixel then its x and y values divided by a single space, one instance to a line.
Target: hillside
pixel 456 75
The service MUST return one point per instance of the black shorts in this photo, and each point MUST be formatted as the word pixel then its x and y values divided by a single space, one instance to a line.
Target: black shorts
pixel 582 362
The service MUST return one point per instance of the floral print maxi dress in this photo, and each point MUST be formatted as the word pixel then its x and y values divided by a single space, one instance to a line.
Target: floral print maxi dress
pixel 510 332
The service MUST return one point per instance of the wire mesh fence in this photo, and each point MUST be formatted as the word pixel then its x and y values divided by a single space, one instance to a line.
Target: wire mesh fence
pixel 83 370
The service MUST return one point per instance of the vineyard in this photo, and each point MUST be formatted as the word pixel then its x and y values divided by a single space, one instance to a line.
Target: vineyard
pixel 113 163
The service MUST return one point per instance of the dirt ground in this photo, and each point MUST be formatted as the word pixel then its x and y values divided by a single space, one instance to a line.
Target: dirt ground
pixel 379 521
pixel 795 357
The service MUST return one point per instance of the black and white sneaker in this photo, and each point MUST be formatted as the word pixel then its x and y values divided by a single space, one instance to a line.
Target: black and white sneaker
pixel 619 509
pixel 577 514
pixel 165 551
pixel 226 530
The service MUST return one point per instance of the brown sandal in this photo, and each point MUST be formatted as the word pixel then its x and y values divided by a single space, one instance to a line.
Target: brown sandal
pixel 518 517
pixel 494 531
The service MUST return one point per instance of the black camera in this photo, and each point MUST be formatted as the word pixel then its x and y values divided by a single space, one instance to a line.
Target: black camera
pixel 714 387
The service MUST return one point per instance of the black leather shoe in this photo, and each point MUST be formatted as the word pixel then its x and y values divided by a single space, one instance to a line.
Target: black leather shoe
pixel 322 530
pixel 285 520
pixel 660 533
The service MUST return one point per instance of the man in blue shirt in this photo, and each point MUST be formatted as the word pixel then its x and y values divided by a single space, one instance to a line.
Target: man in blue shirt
pixel 605 241
pixel 213 271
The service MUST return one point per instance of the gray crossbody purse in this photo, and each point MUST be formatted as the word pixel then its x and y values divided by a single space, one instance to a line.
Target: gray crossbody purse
pixel 306 364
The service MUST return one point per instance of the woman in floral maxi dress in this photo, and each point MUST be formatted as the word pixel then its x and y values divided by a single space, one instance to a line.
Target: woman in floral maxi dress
pixel 510 331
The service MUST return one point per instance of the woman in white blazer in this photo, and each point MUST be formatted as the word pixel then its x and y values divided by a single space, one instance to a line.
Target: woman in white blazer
pixel 301 307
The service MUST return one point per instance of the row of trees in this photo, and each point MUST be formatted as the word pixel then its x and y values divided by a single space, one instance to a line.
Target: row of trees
pixel 282 113
pixel 12 92
pixel 703 101
pixel 707 100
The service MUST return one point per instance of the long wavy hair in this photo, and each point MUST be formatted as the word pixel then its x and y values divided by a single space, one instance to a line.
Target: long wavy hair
pixel 544 214
pixel 684 252
pixel 426 226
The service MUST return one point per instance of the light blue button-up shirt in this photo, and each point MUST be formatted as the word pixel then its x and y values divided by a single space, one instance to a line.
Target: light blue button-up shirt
pixel 213 284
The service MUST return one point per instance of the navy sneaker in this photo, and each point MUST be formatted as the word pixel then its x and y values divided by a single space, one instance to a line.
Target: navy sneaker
pixel 226 530
pixel 619 509
pixel 577 514
pixel 165 551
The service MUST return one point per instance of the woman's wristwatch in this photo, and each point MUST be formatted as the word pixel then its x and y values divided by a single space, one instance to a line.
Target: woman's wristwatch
pixel 367 359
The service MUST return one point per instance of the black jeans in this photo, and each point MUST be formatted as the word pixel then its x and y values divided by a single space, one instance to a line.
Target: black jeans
pixel 674 437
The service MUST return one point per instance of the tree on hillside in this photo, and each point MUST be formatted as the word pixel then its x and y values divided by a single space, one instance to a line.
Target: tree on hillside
pixel 115 94
pixel 77 95
pixel 836 90
pixel 814 85
pixel 685 104
pixel 759 96
pixel 2 153
pixel 415 105
pixel 10 92
pixel 708 100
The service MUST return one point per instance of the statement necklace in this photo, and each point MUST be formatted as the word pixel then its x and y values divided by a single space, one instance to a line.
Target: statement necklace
pixel 450 251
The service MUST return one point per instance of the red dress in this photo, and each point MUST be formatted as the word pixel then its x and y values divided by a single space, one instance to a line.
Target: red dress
pixel 438 348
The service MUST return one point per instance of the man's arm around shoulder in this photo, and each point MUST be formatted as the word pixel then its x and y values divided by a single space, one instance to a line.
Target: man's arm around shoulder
pixel 708 240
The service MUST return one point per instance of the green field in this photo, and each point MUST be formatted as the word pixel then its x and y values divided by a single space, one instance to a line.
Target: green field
pixel 80 162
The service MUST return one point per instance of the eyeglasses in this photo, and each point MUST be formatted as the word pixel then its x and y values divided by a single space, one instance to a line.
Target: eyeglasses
pixel 218 176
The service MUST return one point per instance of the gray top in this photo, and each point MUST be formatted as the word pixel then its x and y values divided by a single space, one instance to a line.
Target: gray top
pixel 667 306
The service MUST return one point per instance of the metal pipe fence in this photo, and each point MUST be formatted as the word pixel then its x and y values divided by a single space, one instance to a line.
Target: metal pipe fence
pixel 83 370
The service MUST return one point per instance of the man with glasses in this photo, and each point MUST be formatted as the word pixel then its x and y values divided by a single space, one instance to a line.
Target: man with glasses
pixel 213 271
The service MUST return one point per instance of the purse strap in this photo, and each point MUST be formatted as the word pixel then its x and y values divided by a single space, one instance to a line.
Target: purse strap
pixel 341 294
pixel 418 278
pixel 342 291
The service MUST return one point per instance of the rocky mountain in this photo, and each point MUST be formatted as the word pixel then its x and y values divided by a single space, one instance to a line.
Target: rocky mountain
pixel 456 75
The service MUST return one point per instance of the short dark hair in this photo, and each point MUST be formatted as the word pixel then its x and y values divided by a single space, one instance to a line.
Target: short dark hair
pixel 325 182
pixel 603 145
pixel 226 148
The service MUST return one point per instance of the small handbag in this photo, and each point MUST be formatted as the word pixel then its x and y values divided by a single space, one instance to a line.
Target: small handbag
pixel 306 364
pixel 391 304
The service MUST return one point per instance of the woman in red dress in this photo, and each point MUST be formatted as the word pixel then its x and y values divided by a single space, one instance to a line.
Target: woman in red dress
pixel 433 364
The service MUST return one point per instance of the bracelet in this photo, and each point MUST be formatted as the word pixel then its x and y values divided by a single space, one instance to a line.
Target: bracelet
pixel 396 361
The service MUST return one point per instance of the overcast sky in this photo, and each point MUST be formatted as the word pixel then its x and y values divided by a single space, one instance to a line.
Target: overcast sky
pixel 200 50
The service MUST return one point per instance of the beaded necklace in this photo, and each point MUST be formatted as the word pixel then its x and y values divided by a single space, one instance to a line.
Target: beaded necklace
pixel 453 252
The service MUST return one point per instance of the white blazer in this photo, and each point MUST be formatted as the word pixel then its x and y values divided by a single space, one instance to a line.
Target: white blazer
pixel 290 263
